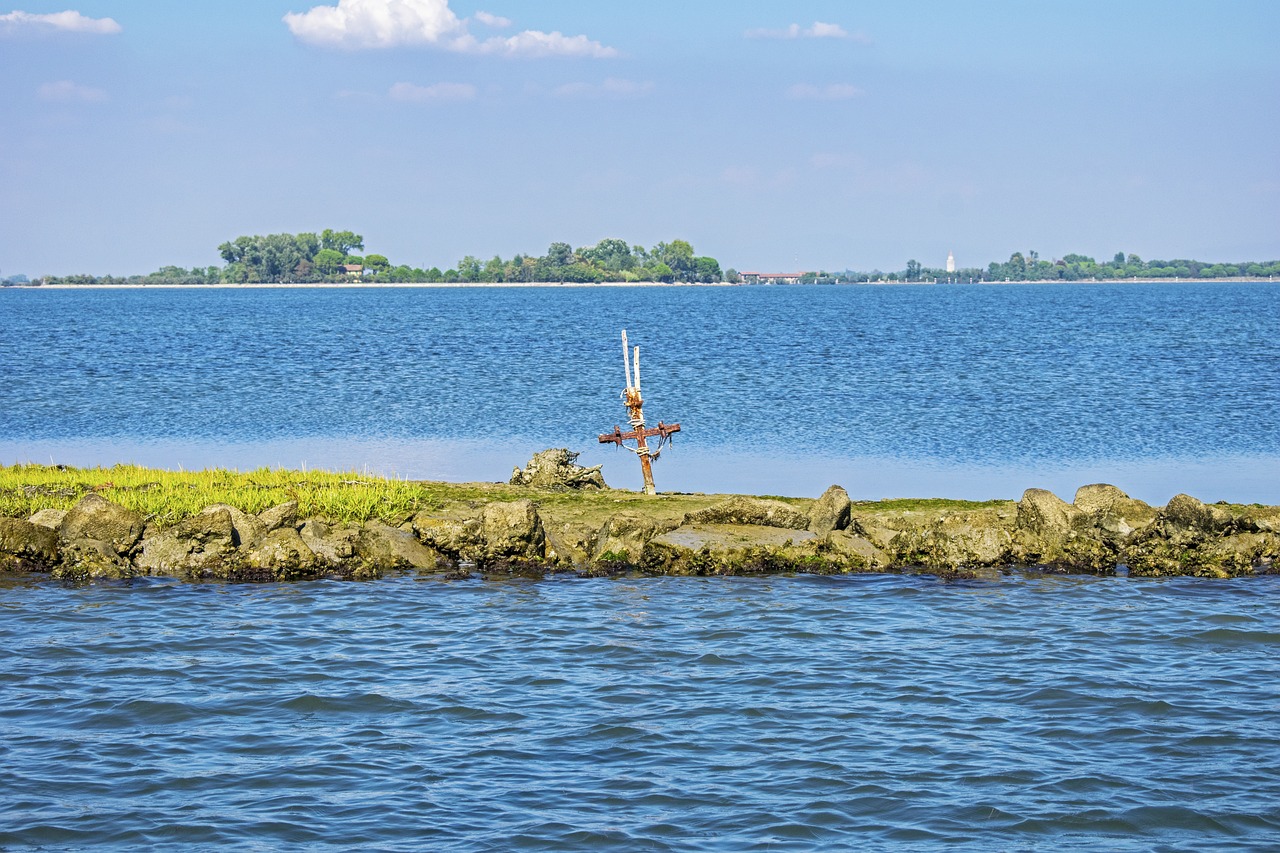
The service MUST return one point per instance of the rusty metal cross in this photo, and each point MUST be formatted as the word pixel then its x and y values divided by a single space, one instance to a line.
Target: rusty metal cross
pixel 634 403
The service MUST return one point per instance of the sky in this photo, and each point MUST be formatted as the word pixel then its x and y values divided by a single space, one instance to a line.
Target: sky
pixel 774 136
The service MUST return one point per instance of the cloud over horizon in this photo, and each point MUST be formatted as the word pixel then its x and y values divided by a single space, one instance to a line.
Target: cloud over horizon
pixel 68 22
pixel 612 87
pixel 411 93
pixel 66 90
pixel 376 24
pixel 830 92
pixel 818 30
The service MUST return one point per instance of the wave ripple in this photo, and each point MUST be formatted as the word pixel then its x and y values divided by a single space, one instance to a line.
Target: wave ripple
pixel 656 714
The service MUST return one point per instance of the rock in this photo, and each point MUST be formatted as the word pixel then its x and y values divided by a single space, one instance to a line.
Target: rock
pixel 1187 513
pixel 385 546
pixel 728 549
pixel 1098 498
pixel 513 530
pixel 89 559
pixel 284 552
pixel 1044 513
pixel 556 467
pixel 199 542
pixel 1190 538
pixel 248 530
pixel 25 546
pixel 623 537
pixel 878 534
pixel 334 545
pixel 568 544
pixel 284 515
pixel 1051 533
pixel 50 518
pixel 746 510
pixel 830 512
pixel 459 538
pixel 1112 511
pixel 859 553
pixel 94 517
pixel 952 543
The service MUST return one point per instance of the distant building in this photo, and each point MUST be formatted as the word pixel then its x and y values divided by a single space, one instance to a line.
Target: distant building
pixel 770 277
pixel 951 262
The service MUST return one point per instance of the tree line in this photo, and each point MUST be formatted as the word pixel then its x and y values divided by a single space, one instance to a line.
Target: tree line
pixel 1031 267
pixel 332 256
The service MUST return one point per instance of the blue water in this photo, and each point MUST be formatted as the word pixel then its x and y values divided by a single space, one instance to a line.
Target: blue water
pixel 728 714
pixel 963 391
pixel 789 713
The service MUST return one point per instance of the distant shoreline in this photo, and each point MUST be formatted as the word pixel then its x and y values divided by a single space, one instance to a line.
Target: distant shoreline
pixel 613 284
pixel 362 287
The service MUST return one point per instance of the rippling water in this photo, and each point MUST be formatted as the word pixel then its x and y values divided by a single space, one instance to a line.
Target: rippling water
pixel 959 391
pixel 789 713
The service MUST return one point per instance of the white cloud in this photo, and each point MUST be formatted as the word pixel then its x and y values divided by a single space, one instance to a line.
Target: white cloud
pixel 818 30
pixel 435 92
pixel 496 21
pixel 363 24
pixel 612 87
pixel 68 21
pixel 65 90
pixel 534 44
pixel 830 92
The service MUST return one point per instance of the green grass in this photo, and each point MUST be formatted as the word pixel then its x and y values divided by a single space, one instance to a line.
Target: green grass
pixel 167 497
pixel 170 496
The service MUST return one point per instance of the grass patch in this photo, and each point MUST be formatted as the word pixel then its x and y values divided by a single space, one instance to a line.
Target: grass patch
pixel 170 496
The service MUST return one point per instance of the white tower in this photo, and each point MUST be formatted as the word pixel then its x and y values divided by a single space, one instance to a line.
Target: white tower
pixel 951 262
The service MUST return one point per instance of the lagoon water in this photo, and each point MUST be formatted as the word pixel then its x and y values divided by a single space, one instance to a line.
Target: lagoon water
pixel 784 713
pixel 690 714
pixel 957 391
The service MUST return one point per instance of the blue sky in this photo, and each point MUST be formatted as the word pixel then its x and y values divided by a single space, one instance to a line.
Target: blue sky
pixel 772 135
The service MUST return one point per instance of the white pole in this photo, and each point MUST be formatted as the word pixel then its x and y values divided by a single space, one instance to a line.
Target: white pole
pixel 637 369
pixel 626 356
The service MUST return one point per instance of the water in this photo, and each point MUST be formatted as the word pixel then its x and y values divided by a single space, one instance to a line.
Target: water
pixel 730 714
pixel 957 391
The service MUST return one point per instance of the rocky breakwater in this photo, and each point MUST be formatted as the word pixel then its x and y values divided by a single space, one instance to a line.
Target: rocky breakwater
pixel 602 532
pixel 100 539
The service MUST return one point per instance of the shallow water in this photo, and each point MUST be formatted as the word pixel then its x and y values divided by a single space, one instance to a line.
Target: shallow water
pixel 788 713
pixel 959 391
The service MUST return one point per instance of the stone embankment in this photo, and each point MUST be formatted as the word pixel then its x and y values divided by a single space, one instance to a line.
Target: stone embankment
pixel 1103 531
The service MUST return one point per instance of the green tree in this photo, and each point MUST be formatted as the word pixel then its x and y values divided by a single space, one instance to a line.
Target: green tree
pixel 469 268
pixel 341 241
pixel 707 269
pixel 493 270
pixel 327 261
pixel 559 255
pixel 308 244
pixel 610 254
pixel 678 256
pixel 658 271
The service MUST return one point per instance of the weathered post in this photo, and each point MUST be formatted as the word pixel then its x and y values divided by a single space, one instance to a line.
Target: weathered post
pixel 634 402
